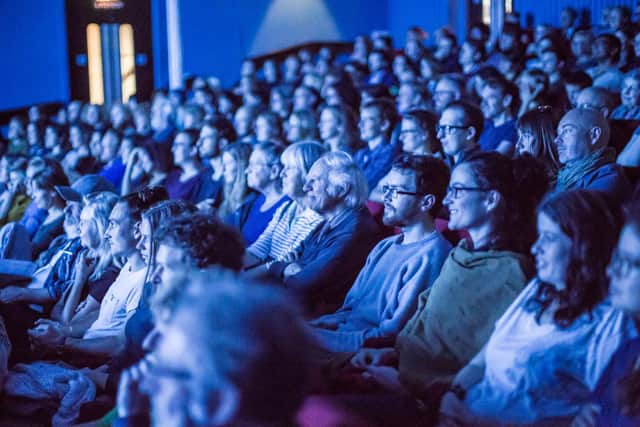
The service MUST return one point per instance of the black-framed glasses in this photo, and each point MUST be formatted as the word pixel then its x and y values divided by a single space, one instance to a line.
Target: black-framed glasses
pixel 392 192
pixel 455 190
pixel 447 129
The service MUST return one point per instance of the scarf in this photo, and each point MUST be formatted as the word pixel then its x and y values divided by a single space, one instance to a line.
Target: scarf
pixel 575 170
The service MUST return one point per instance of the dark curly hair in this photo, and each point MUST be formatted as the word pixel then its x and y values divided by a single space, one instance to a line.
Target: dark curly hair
pixel 593 226
pixel 521 183
pixel 431 176
pixel 206 240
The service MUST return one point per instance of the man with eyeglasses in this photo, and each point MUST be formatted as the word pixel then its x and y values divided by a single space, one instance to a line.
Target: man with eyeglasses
pixel 447 90
pixel 596 98
pixel 587 161
pixel 399 268
pixel 458 129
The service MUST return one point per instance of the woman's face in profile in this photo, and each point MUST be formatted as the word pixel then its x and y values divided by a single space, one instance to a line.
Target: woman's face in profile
pixel 552 251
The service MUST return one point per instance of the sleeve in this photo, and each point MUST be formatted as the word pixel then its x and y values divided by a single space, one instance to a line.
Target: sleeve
pixel 611 181
pixel 98 288
pixel 414 278
pixel 610 333
pixel 262 246
pixel 133 299
pixel 322 265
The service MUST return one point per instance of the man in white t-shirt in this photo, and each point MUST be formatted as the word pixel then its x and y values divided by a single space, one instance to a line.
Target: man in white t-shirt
pixel 105 336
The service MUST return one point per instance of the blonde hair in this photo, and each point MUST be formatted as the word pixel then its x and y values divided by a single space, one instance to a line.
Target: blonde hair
pixel 100 205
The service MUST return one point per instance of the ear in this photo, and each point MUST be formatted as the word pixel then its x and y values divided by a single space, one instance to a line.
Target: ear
pixel 594 135
pixel 136 230
pixel 385 125
pixel 427 202
pixel 341 191
pixel 471 132
pixel 506 101
pixel 275 171
pixel 493 199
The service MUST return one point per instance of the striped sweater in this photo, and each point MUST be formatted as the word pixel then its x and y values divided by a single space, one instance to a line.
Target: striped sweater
pixel 290 225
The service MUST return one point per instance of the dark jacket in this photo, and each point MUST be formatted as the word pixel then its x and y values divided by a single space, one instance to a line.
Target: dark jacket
pixel 608 178
pixel 331 258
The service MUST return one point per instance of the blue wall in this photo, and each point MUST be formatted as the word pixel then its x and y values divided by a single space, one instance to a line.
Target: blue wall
pixel 218 35
pixel 427 14
pixel 34 67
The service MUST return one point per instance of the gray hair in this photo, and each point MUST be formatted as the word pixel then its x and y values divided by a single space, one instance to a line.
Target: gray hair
pixel 343 172
pixel 303 155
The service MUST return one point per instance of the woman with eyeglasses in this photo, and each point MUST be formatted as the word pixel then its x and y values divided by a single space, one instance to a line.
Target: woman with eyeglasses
pixel 550 347
pixel 493 198
pixel 616 399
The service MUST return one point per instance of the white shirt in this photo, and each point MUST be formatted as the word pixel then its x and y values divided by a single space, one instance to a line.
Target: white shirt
pixel 118 304
pixel 535 371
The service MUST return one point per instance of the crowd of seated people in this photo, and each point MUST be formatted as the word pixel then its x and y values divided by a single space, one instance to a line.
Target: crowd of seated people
pixel 443 234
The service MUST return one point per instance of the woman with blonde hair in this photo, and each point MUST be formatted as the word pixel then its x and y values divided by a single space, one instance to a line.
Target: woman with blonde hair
pixel 235 159
pixel 94 268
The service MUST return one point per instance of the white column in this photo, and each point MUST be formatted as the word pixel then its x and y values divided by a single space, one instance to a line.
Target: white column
pixel 497 20
pixel 174 41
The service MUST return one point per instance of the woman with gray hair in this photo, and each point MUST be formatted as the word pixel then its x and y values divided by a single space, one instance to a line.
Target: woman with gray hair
pixel 292 222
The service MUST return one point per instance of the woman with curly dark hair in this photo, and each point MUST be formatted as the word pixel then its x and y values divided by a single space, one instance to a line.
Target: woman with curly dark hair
pixel 550 347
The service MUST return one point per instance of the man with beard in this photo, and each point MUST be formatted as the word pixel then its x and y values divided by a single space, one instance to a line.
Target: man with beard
pixel 399 268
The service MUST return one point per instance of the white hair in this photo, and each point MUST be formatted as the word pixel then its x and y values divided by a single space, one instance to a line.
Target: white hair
pixel 343 173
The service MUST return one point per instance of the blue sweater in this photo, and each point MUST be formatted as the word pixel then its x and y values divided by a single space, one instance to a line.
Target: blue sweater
pixel 385 294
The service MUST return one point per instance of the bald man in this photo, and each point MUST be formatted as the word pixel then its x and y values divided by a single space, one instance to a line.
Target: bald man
pixel 587 161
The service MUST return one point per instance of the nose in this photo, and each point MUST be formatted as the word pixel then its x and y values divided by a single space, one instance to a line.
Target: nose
pixel 535 248
pixel 558 140
pixel 447 199
pixel 440 133
pixel 306 187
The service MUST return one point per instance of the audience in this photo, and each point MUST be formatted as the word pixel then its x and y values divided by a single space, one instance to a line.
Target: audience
pixel 287 178
pixel 486 196
pixel 292 222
